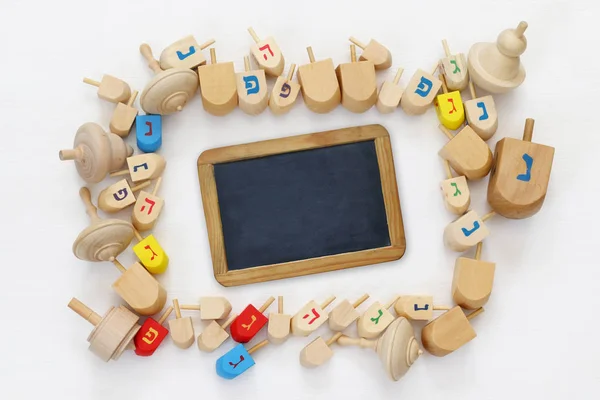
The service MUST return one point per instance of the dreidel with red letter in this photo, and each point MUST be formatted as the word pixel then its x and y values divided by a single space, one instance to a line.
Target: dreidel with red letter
pixel 151 254
pixel 267 54
pixel 449 107
pixel 237 361
pixel 151 335
pixel 147 209
pixel 310 317
pixel 249 322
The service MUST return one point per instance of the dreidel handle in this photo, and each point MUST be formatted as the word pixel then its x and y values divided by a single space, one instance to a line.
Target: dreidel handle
pixel 137 235
pixel 488 215
pixel 352 53
pixel 444 86
pixel 327 302
pixel 311 55
pixel 70 154
pixel 472 90
pixel 119 173
pixel 357 42
pixel 132 98
pixel 141 186
pixel 147 53
pixel 291 72
pixel 176 307
pixel 528 132
pixel 118 264
pixel 350 341
pixel 194 307
pixel 90 208
pixel 213 55
pixel 435 68
pixel 165 315
pixel 478 250
pixel 91 82
pixel 280 304
pixel 334 338
pixel 157 186
pixel 229 321
pixel 445 131
pixel 361 300
pixel 84 311
pixel 446 48
pixel 448 169
pixel 209 42
pixel 392 302
pixel 441 308
pixel 246 63
pixel 253 34
pixel 258 346
pixel 398 75
pixel 269 301
pixel 475 313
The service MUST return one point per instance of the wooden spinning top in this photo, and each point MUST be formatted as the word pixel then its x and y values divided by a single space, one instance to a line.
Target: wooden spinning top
pixel 170 90
pixel 104 239
pixel 96 152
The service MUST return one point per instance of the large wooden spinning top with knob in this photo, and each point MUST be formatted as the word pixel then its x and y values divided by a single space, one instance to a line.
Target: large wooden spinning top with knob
pixel 169 90
pixel 96 152
pixel 104 239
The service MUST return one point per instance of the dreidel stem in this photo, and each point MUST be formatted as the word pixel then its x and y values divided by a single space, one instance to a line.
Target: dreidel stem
pixel 334 338
pixel 229 321
pixel 246 63
pixel 157 185
pixel 361 300
pixel 435 68
pixel 446 131
pixel 475 313
pixel 327 302
pixel 117 264
pixel 258 346
pixel 364 343
pixel 291 72
pixel 352 53
pixel 132 98
pixel 520 30
pixel 398 75
pixel 90 208
pixel 84 311
pixel 357 42
pixel 190 307
pixel 70 154
pixel 213 55
pixel 176 307
pixel 488 215
pixel 269 301
pixel 254 35
pixel 472 90
pixel 448 169
pixel 444 87
pixel 442 308
pixel 91 82
pixel 478 250
pixel 140 186
pixel 147 53
pixel 392 302
pixel 207 43
pixel 528 132
pixel 280 304
pixel 119 173
pixel 165 315
pixel 446 48
pixel 311 56
pixel 137 235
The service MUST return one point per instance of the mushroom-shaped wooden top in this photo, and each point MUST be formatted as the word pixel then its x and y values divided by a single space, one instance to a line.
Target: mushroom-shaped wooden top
pixel 96 152
pixel 104 239
pixel 170 90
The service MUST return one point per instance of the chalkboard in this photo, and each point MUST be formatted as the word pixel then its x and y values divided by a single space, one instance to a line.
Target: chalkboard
pixel 301 205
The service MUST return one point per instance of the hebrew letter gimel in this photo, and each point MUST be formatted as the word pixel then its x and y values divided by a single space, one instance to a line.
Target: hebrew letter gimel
pixel 122 192
pixel 152 334
pixel 453 106
pixel 424 87
pixel 484 113
pixel 237 363
pixel 251 83
pixel 285 91
pixel 456 68
pixel 147 247
pixel 182 56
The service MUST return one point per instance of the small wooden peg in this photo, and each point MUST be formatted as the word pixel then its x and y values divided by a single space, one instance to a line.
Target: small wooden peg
pixel 118 196
pixel 284 93
pixel 449 107
pixel 148 132
pixel 319 84
pixel 278 329
pixel 211 308
pixel 267 54
pixel 417 308
pixel 151 335
pixel 237 360
pixel 466 231
pixel 124 116
pixel 344 314
pixel 375 52
pixel 147 209
pixel 184 53
pixel 139 289
pixel 111 89
pixel 467 153
pixel 420 92
pixel 218 86
pixel 457 197
pixel 143 167
pixel 214 335
pixel 358 83
pixel 454 68
pixel 390 94
pixel 375 320
pixel 249 322
pixel 448 332
pixel 182 329
pixel 253 94
pixel 473 281
pixel 481 114
pixel 318 352
pixel 310 317
pixel 151 254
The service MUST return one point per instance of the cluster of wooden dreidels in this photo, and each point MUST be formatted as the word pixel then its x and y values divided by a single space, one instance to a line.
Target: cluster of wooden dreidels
pixel 392 337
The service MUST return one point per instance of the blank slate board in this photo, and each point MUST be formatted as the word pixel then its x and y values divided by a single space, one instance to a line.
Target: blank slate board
pixel 301 205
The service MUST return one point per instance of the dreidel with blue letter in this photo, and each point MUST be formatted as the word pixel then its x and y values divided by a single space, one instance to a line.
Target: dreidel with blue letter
pixel 420 92
pixel 184 53
pixel 237 360
pixel 449 107
pixel 417 308
pixel 143 167
pixel 481 114
pixel 466 231
pixel 253 94
pixel 520 176
pixel 457 197
pixel 148 132
pixel 455 69
pixel 151 254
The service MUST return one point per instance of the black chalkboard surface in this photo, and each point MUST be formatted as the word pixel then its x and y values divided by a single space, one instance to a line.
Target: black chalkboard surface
pixel 301 205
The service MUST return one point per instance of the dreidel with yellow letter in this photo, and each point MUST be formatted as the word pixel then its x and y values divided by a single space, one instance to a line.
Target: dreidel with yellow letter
pixel 449 107
pixel 151 254
pixel 151 334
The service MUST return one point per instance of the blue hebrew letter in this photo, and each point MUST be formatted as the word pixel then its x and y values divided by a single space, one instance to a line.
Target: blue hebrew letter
pixel 122 192
pixel 424 87
pixel 182 56
pixel 422 308
pixel 285 91
pixel 484 114
pixel 526 177
pixel 469 232
pixel 135 167
pixel 251 83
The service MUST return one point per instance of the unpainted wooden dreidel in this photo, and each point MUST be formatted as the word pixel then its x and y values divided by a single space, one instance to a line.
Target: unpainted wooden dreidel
pixel 319 84
pixel 375 52
pixel 151 334
pixel 417 308
pixel 318 352
pixel 103 239
pixel 519 180
pixel 390 94
pixel 253 94
pixel 169 91
pixel 358 83
pixel 96 152
pixel 466 231
pixel 267 54
pixel 150 253
pixel 467 153
pixel 214 335
pixel 139 289
pixel 111 89
pixel 278 328
pixel 481 114
pixel 284 93
pixel 124 116
pixel 143 167
pixel 310 317
pixel 473 281
pixel 454 68
pixel 397 348
pixel 210 307
pixel 449 332
pixel 184 53
pixel 449 107
pixel 118 196
pixel 457 197
pixel 345 313
pixel 375 320
pixel 249 322
pixel 237 360
pixel 147 208
pixel 112 333
pixel 218 86
pixel 420 92
pixel 181 329
pixel 148 132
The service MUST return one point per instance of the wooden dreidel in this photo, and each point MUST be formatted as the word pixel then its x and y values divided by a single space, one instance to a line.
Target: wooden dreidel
pixel 147 208
pixel 112 333
pixel 151 334
pixel 375 319
pixel 111 89
pixel 184 53
pixel 214 335
pixel 449 108
pixel 96 152
pixel 211 308
pixel 397 348
pixel 375 52
pixel 237 360
pixel 457 197
pixel 148 132
pixel 151 254
pixel 345 314
pixel 319 84
pixel 390 94
pixel 139 289
pixel 181 329
pixel 284 93
pixel 417 308
pixel 318 352
pixel 103 239
pixel 118 196
pixel 253 94
pixel 467 153
pixel 473 281
pixel 249 322
pixel 448 332
pixel 454 68
pixel 358 83
pixel 170 90
pixel 124 116
pixel 218 86
pixel 310 317
pixel 267 54
pixel 420 92
pixel 481 114
pixel 520 177
pixel 466 231
pixel 278 328
pixel 143 167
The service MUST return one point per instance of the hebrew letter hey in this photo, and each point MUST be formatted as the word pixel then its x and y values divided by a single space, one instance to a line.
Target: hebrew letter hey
pixel 266 47
pixel 182 56
pixel 251 83
pixel 285 91
pixel 151 202
pixel 122 192
pixel 424 87
pixel 316 316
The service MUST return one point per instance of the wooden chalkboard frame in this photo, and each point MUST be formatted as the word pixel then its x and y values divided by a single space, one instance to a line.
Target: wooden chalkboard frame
pixel 208 188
